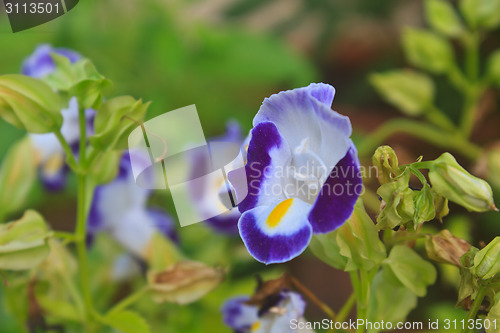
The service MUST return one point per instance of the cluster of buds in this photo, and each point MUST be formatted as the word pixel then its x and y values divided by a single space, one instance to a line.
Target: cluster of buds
pixel 448 181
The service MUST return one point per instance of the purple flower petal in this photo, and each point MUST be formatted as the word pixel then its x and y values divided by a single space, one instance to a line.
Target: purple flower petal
pixel 40 63
pixel 267 152
pixel 306 113
pixel 238 315
pixel 339 194
pixel 275 234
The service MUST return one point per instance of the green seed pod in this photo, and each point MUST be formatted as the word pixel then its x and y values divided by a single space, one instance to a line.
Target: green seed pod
pixel 453 182
pixel 487 261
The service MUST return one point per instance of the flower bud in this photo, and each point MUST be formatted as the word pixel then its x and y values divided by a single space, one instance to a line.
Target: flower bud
pixel 24 243
pixel 184 282
pixel 487 261
pixel 397 206
pixel 446 248
pixel 29 104
pixel 424 206
pixel 453 182
pixel 386 161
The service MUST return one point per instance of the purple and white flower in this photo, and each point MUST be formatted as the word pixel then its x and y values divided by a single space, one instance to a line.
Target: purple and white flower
pixel 303 173
pixel 120 208
pixel 271 318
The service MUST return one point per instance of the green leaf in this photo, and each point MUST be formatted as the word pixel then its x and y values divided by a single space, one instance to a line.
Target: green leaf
pixel 24 243
pixel 127 322
pixel 493 68
pixel 60 309
pixel 29 104
pixel 443 18
pixel 115 120
pixel 407 90
pixel 398 203
pixel 494 315
pixel 427 50
pixel 359 242
pixel 17 176
pixel 80 79
pixel 389 302
pixel 325 248
pixel 481 13
pixel 410 269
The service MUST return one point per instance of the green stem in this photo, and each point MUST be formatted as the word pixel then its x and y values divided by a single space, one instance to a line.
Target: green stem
pixel 469 111
pixel 75 295
pixel 438 118
pixel 423 131
pixel 421 165
pixel 408 238
pixel 67 237
pixel 70 159
pixel 83 135
pixel 472 90
pixel 360 291
pixel 494 285
pixel 129 300
pixel 475 306
pixel 346 308
pixel 81 232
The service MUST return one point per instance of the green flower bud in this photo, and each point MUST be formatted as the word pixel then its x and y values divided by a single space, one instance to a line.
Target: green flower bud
pixel 114 121
pixel 446 248
pixel 80 79
pixel 398 203
pixel 24 243
pixel 453 182
pixel 29 104
pixel 487 261
pixel 386 161
pixel 424 206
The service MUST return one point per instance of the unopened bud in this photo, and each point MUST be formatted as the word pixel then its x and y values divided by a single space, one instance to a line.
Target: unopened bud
pixel 453 182
pixel 424 206
pixel 487 261
pixel 386 161
pixel 29 104
pixel 446 248
pixel 184 282
pixel 398 203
